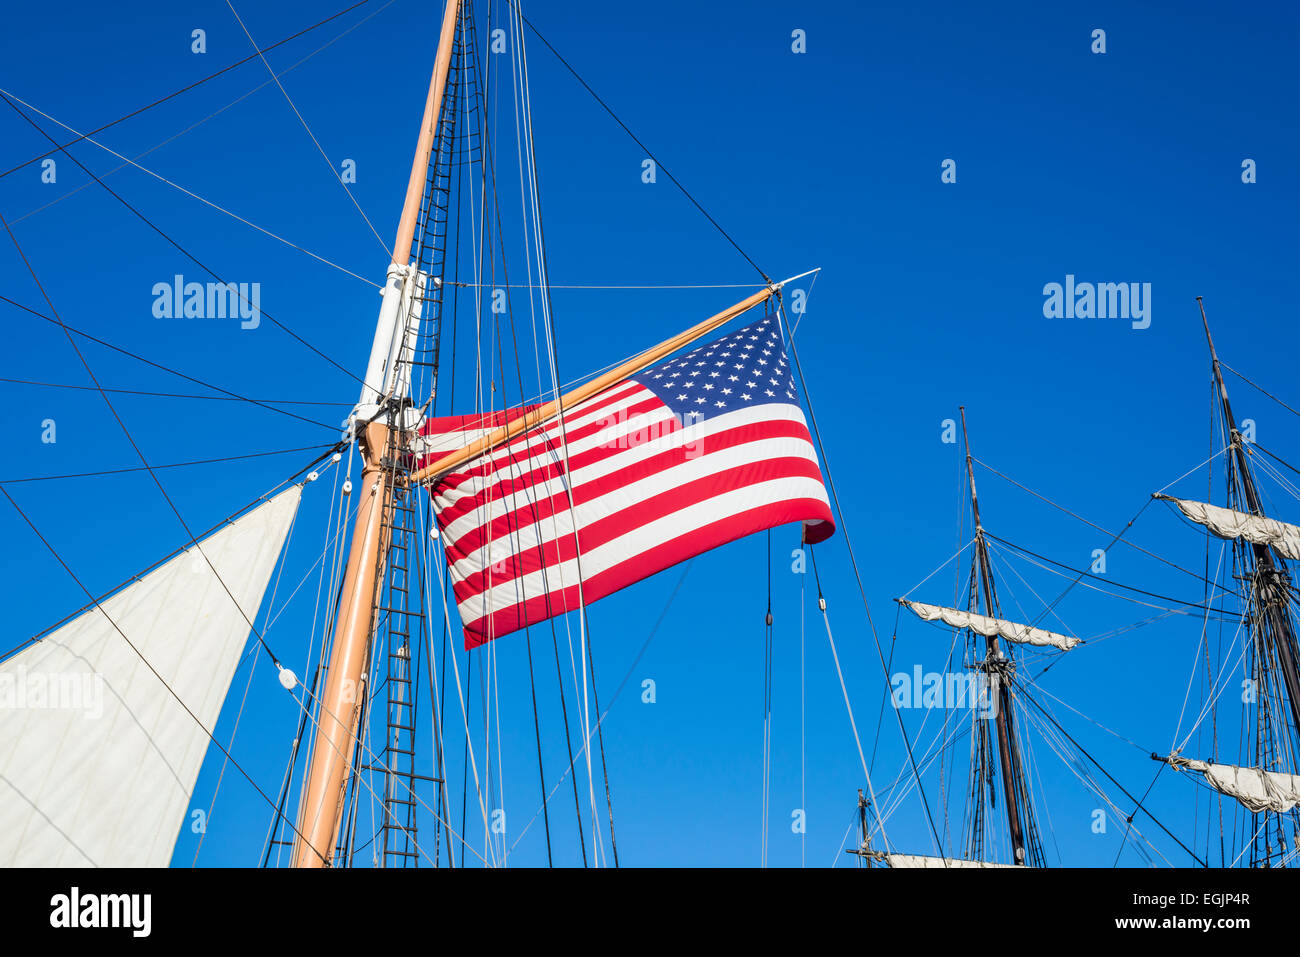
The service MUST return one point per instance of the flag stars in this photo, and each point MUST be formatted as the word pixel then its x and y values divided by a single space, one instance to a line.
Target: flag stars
pixel 726 391
pixel 766 391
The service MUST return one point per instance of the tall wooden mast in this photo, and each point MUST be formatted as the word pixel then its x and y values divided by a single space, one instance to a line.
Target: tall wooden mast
pixel 1007 749
pixel 341 704
pixel 1271 579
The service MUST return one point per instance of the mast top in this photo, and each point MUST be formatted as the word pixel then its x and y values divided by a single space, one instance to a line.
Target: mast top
pixel 970 471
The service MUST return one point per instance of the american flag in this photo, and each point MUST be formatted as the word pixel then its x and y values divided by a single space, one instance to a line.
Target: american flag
pixel 690 454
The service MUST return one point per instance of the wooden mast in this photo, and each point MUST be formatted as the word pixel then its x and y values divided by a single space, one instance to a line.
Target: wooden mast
pixel 585 391
pixel 344 695
pixel 1273 577
pixel 1006 744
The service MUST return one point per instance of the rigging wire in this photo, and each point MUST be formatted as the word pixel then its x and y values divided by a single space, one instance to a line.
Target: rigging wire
pixel 553 359
pixel 1050 608
pixel 626 129
pixel 1138 805
pixel 234 395
pixel 1224 365
pixel 134 445
pixel 816 431
pixel 170 465
pixel 190 193
pixel 193 126
pixel 185 89
pixel 185 252
pixel 1096 526
pixel 328 162
pixel 168 395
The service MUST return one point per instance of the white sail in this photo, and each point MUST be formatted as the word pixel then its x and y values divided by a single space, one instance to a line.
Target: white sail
pixel 1229 523
pixel 1257 789
pixel 986 626
pixel 917 860
pixel 97 757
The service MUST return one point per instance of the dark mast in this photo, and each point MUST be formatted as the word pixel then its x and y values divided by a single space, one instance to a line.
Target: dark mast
pixel 1000 669
pixel 1271 580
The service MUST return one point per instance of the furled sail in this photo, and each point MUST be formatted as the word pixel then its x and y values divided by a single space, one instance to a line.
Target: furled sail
pixel 97 757
pixel 1257 789
pixel 986 626
pixel 1229 523
pixel 918 860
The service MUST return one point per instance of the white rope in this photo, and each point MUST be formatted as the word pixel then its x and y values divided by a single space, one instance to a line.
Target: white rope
pixel 1200 645
pixel 547 326
pixel 955 555
pixel 856 739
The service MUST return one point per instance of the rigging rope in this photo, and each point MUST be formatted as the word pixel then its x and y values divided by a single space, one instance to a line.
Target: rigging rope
pixel 170 465
pixel 193 195
pixel 212 115
pixel 605 106
pixel 328 162
pixel 263 313
pixel 185 89
pixel 234 395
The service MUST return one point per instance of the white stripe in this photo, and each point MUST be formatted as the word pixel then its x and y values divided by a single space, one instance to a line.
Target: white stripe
pixel 635 543
pixel 540 439
pixel 629 496
pixel 441 443
pixel 695 434
pixel 538 490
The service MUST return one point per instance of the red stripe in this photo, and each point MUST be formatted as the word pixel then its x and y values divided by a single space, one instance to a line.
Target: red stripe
pixel 625 520
pixel 689 544
pixel 583 492
pixel 548 451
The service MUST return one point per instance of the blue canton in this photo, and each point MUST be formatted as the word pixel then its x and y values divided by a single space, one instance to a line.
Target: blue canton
pixel 744 369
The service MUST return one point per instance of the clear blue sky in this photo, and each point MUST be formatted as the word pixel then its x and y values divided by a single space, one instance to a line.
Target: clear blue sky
pixel 1122 167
